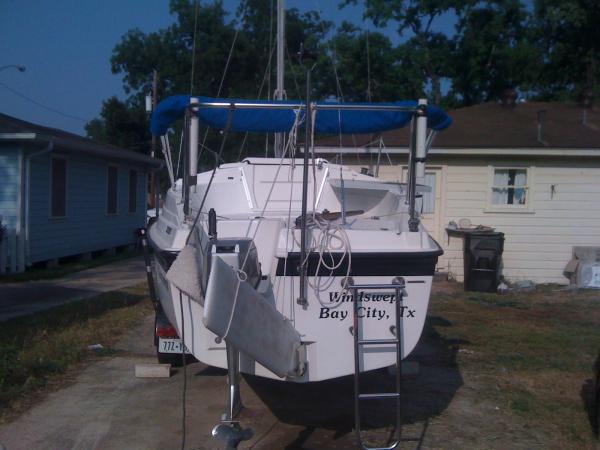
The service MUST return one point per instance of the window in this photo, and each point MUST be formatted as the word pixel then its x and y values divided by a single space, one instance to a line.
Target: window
pixel 509 187
pixel 111 189
pixel 132 191
pixel 426 191
pixel 58 188
pixel 427 203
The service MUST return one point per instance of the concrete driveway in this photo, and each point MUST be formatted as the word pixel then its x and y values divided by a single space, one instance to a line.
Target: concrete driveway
pixel 18 299
pixel 108 408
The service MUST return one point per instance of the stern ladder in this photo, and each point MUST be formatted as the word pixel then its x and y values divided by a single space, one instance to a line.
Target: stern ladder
pixel 398 285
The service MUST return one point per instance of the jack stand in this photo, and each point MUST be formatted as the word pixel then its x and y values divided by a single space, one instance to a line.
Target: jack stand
pixel 230 430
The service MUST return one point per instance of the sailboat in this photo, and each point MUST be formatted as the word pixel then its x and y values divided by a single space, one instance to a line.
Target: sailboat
pixel 294 268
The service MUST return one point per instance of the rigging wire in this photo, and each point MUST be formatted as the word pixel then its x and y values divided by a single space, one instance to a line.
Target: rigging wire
pixel 260 89
pixel 333 57
pixel 369 96
pixel 269 71
pixel 212 175
pixel 179 156
pixel 332 54
pixel 298 94
pixel 242 276
pixel 194 47
pixel 235 36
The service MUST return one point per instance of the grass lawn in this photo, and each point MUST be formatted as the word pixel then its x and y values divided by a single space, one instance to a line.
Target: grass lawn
pixel 533 353
pixel 528 355
pixel 36 350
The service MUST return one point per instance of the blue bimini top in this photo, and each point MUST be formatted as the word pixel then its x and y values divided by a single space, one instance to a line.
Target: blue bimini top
pixel 280 120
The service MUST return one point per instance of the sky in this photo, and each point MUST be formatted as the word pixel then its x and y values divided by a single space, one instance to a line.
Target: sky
pixel 66 45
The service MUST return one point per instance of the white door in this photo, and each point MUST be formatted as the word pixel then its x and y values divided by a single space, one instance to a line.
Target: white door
pixel 429 204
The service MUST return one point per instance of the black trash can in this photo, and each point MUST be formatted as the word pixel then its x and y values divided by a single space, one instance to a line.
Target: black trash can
pixel 482 256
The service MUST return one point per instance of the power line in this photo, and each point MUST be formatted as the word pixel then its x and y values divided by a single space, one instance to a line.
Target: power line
pixel 41 105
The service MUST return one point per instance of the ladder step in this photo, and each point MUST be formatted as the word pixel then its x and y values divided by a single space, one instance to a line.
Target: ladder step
pixel 377 396
pixel 377 341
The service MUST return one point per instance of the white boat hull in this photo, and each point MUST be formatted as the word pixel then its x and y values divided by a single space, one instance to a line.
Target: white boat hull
pixel 378 248
pixel 326 329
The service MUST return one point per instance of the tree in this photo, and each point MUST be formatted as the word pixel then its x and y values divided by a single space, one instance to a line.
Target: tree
pixel 493 50
pixel 424 50
pixel 367 65
pixel 169 51
pixel 569 36
pixel 120 124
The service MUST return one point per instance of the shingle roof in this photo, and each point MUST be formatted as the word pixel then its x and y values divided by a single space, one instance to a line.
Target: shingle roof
pixel 492 125
pixel 71 142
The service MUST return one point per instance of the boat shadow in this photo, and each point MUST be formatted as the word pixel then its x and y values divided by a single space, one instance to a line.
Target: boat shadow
pixel 328 405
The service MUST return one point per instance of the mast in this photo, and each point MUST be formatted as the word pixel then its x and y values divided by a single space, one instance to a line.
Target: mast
pixel 280 91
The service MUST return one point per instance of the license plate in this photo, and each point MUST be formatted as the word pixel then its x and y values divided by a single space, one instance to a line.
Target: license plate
pixel 170 346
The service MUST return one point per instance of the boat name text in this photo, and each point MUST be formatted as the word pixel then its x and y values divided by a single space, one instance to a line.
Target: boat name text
pixel 369 312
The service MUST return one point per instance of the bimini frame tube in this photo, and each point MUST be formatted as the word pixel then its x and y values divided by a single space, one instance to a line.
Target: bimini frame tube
pixel 186 157
pixel 416 160
pixel 194 132
pixel 421 151
pixel 190 154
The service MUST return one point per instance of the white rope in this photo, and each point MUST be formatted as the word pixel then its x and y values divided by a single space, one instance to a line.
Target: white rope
pixel 241 276
pixel 323 245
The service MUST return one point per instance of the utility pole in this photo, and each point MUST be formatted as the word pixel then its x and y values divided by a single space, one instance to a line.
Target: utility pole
pixel 280 91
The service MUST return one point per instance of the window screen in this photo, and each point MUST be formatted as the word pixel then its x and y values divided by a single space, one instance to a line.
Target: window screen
pixel 132 191
pixel 111 190
pixel 58 191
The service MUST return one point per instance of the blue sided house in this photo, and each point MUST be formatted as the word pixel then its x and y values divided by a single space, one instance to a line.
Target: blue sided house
pixel 62 194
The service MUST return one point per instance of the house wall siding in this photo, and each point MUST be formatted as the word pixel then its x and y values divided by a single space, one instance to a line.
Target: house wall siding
pixel 10 178
pixel 538 244
pixel 86 226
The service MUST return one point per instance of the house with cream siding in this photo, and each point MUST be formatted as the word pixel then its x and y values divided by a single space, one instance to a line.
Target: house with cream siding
pixel 530 170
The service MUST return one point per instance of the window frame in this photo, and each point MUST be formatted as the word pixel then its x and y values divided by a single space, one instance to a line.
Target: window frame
pixel 134 191
pixel 50 193
pixel 106 211
pixel 527 208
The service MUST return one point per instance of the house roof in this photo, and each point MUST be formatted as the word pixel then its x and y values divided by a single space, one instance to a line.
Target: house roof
pixel 13 129
pixel 493 125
